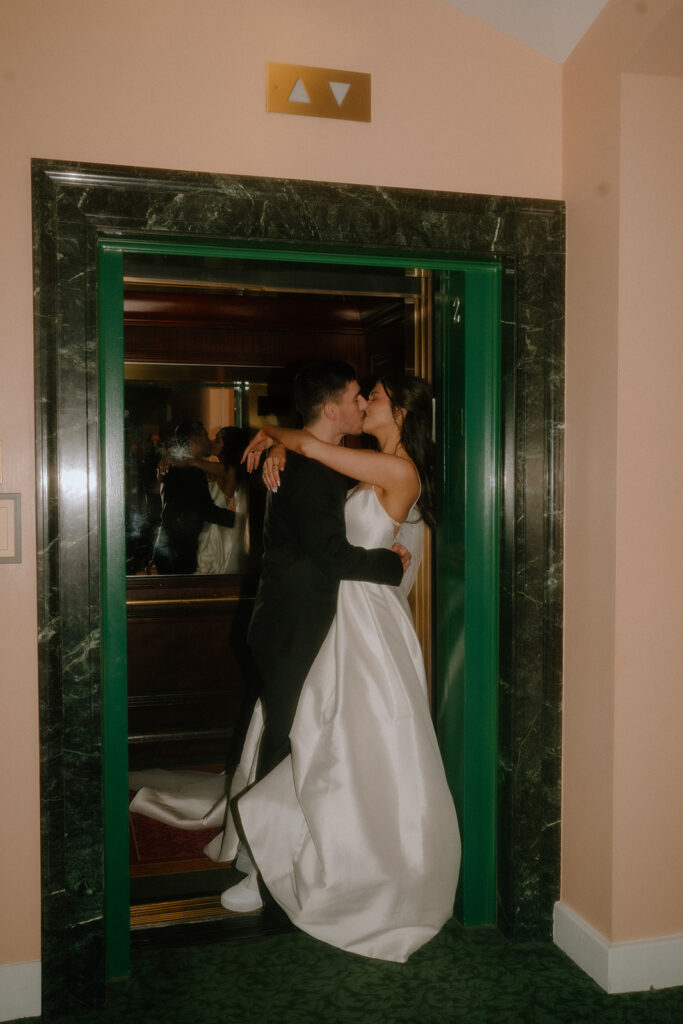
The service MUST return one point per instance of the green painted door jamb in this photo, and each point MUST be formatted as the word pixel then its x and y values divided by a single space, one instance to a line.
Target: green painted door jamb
pixel 467 383
pixel 113 574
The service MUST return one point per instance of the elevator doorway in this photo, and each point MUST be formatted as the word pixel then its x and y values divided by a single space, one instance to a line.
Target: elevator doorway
pixel 219 342
pixel 401 317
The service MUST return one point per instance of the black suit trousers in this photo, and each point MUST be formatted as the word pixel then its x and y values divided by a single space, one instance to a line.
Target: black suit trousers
pixel 281 680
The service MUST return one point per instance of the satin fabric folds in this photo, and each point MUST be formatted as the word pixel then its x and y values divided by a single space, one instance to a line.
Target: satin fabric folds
pixel 355 834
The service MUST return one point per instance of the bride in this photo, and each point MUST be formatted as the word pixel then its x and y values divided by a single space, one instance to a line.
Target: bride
pixel 355 833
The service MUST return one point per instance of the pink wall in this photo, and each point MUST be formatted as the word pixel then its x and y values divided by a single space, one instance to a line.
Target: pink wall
pixel 165 83
pixel 456 106
pixel 622 762
pixel 648 825
pixel 591 161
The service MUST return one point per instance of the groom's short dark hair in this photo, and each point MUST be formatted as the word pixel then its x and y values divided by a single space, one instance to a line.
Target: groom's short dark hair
pixel 320 382
pixel 186 430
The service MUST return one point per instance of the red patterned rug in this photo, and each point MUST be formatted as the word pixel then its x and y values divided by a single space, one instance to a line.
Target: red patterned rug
pixel 155 843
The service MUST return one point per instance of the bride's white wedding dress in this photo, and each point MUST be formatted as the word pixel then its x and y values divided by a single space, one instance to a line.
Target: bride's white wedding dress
pixel 223 549
pixel 355 834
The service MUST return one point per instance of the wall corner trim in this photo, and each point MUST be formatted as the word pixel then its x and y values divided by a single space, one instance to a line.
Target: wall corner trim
pixel 618 966
pixel 20 990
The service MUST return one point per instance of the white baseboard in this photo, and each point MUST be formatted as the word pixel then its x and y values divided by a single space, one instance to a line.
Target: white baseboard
pixel 20 990
pixel 618 966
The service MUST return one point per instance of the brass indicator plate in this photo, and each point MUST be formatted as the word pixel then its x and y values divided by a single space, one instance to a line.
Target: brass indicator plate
pixel 317 92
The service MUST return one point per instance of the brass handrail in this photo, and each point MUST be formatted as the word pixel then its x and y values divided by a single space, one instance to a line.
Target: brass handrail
pixel 156 602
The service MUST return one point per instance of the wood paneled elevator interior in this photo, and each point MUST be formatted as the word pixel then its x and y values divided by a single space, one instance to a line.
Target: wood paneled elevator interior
pixel 219 341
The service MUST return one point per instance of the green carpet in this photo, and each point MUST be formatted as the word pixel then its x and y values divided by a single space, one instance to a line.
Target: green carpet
pixel 463 975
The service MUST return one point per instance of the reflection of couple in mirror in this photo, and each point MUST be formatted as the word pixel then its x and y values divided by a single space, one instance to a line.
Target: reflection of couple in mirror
pixel 204 502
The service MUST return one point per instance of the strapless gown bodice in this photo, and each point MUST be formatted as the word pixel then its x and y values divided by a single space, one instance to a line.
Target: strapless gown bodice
pixel 367 523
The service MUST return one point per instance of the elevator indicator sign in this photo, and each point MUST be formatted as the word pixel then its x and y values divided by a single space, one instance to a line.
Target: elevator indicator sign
pixel 317 92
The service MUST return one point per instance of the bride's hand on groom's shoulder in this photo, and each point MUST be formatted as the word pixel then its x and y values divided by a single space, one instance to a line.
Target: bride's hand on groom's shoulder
pixel 251 455
pixel 273 466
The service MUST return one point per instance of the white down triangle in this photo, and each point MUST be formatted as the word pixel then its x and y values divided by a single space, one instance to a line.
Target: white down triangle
pixel 340 90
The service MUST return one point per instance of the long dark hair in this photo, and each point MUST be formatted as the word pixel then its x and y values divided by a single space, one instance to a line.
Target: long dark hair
pixel 235 440
pixel 413 396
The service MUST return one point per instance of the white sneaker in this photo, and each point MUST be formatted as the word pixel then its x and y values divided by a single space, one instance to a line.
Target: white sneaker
pixel 243 897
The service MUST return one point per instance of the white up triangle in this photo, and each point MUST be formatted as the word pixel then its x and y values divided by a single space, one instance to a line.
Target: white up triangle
pixel 298 93
pixel 340 90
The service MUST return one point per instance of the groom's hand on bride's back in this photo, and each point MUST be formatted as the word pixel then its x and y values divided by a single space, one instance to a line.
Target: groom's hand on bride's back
pixel 403 554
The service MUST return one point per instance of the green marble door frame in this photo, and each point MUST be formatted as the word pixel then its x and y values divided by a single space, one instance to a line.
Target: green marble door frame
pixel 78 205
pixel 467 388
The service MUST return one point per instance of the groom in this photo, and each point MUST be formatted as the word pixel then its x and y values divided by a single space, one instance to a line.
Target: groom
pixel 306 554
pixel 186 504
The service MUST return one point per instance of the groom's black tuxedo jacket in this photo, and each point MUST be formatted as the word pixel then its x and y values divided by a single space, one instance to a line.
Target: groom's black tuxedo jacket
pixel 306 554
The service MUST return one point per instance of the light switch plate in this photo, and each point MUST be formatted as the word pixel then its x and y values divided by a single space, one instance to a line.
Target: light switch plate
pixel 10 528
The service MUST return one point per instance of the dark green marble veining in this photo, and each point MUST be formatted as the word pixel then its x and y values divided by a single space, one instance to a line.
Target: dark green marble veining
pixel 74 206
